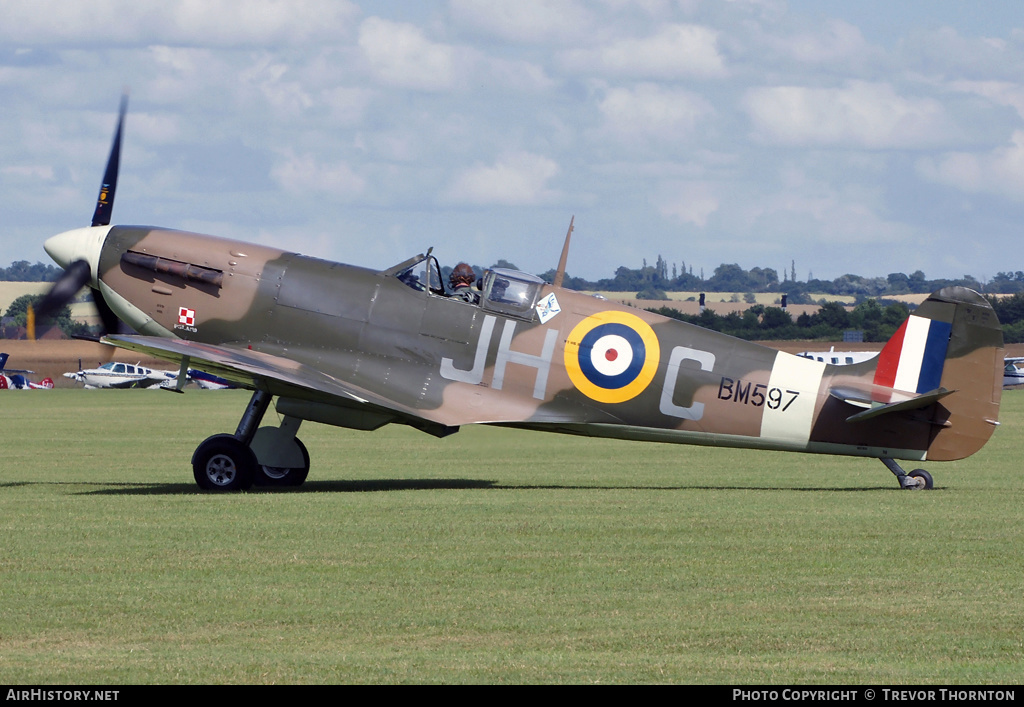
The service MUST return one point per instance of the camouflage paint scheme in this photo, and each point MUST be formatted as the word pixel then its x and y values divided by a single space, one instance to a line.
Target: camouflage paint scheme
pixel 359 348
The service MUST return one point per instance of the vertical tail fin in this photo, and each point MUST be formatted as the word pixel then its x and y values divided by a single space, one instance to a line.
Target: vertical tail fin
pixel 914 358
pixel 953 341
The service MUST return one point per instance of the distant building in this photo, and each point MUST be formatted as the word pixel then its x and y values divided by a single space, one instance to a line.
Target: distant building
pixel 43 333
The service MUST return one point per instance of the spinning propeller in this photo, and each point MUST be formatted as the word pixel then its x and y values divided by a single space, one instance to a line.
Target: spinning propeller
pixel 78 273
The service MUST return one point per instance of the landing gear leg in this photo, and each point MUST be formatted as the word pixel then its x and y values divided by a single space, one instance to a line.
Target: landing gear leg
pixel 258 404
pixel 226 462
pixel 916 480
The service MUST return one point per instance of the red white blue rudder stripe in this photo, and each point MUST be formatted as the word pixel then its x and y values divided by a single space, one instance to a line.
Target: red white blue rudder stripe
pixel 914 357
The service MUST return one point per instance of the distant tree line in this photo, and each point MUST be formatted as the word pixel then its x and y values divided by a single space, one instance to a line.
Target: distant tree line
pixel 878 322
pixel 653 281
pixel 1010 311
pixel 17 316
pixel 22 271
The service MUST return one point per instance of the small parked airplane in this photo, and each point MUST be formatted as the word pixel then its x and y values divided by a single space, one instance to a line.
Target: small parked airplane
pixel 126 375
pixel 1012 375
pixel 122 375
pixel 17 380
pixel 840 358
pixel 361 348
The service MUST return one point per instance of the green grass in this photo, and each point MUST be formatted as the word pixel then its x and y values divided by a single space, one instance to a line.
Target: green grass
pixel 493 556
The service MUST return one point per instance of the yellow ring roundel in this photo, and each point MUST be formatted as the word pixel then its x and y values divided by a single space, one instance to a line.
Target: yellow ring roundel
pixel 611 357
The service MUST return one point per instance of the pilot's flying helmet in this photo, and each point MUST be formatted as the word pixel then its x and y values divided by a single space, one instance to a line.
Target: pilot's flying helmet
pixel 462 276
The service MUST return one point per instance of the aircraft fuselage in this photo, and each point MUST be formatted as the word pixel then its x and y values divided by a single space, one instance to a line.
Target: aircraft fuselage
pixel 593 367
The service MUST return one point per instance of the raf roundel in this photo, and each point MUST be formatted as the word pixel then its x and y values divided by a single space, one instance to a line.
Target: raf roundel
pixel 611 357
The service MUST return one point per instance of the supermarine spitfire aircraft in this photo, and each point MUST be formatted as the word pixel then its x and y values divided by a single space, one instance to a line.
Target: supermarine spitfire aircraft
pixel 361 348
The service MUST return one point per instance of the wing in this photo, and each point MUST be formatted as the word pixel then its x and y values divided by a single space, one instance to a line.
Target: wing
pixel 281 376
pixel 256 370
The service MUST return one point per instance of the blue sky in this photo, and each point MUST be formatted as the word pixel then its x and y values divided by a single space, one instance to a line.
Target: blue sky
pixel 869 137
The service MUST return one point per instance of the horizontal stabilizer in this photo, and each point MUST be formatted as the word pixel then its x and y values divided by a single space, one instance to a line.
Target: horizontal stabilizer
pixel 875 403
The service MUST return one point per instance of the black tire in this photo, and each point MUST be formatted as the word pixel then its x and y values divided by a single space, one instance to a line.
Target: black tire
pixel 222 463
pixel 280 476
pixel 924 480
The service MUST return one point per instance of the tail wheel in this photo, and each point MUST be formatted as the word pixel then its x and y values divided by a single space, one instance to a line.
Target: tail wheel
pixel 223 463
pixel 922 479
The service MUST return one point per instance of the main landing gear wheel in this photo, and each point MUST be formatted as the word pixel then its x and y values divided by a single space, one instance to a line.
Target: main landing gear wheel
pixel 921 478
pixel 284 476
pixel 223 463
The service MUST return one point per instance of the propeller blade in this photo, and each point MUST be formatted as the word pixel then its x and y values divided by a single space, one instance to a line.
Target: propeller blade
pixel 64 290
pixel 111 324
pixel 105 202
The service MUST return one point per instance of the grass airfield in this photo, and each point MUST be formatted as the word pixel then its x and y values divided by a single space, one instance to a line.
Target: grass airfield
pixel 493 556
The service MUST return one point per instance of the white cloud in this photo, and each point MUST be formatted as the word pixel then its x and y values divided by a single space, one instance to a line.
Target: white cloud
pixel 401 55
pixel 188 22
pixel 999 172
pixel 861 114
pixel 42 173
pixel 517 75
pixel 347 105
pixel 267 75
pixel 945 51
pixel 525 21
pixel 677 51
pixel 303 174
pixel 839 218
pixel 652 111
pixel 178 75
pixel 154 128
pixel 688 202
pixel 835 41
pixel 1002 93
pixel 516 179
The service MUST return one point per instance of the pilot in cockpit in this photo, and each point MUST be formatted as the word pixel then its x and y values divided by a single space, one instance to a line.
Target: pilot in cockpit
pixel 461 279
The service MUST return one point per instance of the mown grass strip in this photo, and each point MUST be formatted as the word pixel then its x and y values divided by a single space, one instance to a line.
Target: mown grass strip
pixel 491 556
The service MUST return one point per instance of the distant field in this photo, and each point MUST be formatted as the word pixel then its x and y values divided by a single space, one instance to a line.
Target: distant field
pixel 492 556
pixel 765 298
pixel 53 358
pixel 10 291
